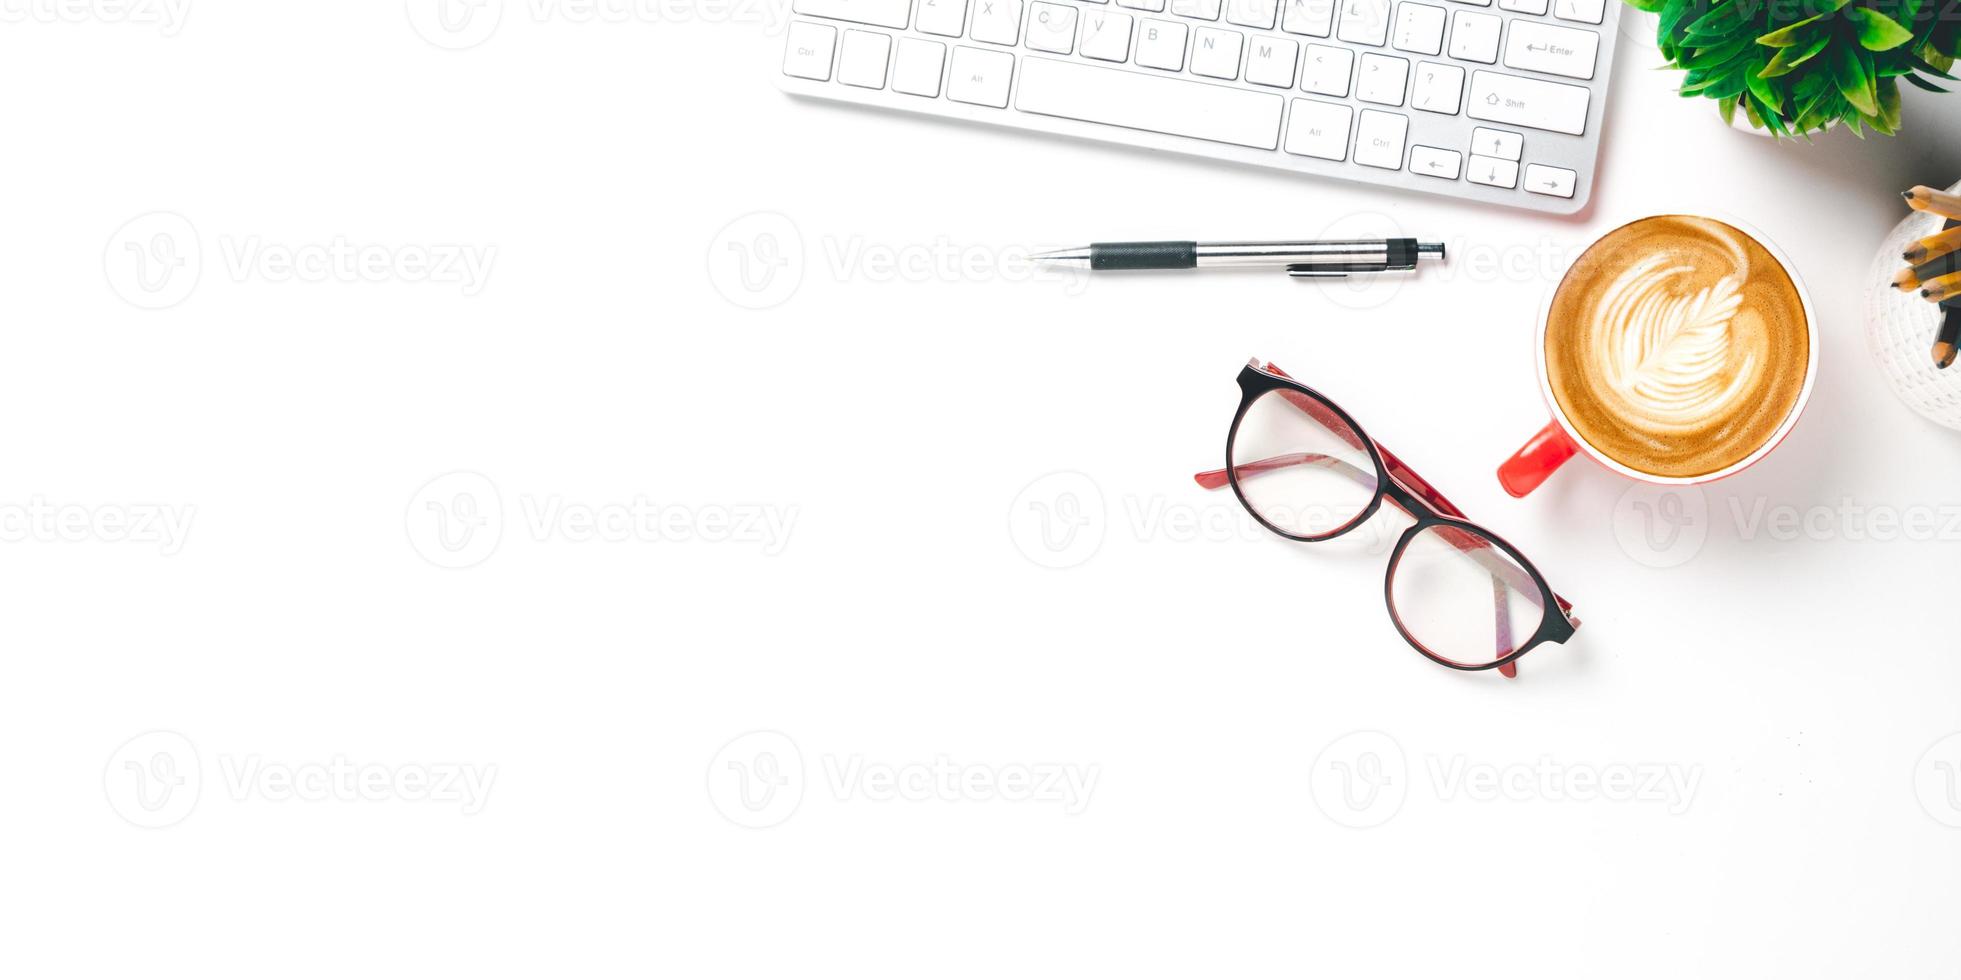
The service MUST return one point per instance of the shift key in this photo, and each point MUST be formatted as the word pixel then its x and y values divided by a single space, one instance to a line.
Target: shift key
pixel 1497 97
pixel 884 13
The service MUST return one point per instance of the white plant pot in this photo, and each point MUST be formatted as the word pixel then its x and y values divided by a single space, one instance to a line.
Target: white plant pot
pixel 1741 123
pixel 1900 330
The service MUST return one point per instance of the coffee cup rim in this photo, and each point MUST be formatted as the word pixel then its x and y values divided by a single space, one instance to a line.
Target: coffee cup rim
pixel 1783 429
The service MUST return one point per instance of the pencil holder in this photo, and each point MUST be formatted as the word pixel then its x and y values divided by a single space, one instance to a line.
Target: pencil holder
pixel 1900 328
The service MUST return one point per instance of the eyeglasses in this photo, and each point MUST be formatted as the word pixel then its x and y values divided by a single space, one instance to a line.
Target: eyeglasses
pixel 1459 594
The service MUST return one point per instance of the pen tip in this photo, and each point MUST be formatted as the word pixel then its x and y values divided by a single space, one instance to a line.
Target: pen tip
pixel 1943 354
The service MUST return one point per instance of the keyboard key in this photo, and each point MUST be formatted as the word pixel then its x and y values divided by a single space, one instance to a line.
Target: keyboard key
pixel 1379 139
pixel 1327 70
pixel 916 71
pixel 863 61
pixel 1523 6
pixel 1106 37
pixel 1582 11
pixel 1439 88
pixel 1215 53
pixel 1493 172
pixel 1516 101
pixel 1319 129
pixel 1497 143
pixel 1364 22
pixel 1550 181
pixel 1157 103
pixel 1196 9
pixel 883 13
pixel 1431 161
pixel 1154 6
pixel 996 22
pixel 1419 28
pixel 1052 27
pixel 943 17
pixel 1383 79
pixel 980 77
pixel 1551 49
pixel 1271 61
pixel 1474 37
pixel 1314 18
pixel 808 55
pixel 1252 13
pixel 1478 3
pixel 1161 44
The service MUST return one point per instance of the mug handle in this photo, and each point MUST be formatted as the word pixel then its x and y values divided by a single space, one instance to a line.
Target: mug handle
pixel 1536 460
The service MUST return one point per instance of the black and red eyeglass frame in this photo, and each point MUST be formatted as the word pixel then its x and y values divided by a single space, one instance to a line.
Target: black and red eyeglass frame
pixel 1411 494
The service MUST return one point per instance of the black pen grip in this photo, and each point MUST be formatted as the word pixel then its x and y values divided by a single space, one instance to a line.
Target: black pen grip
pixel 1115 256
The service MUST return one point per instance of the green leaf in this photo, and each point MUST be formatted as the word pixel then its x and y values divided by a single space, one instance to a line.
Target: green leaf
pixel 1648 6
pixel 1889 107
pixel 1713 56
pixel 1723 21
pixel 1787 60
pixel 1877 32
pixel 1764 93
pixel 1922 83
pixel 1785 37
pixel 1728 108
pixel 1854 82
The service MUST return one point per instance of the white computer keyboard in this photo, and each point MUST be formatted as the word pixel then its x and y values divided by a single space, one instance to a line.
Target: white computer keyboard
pixel 1491 103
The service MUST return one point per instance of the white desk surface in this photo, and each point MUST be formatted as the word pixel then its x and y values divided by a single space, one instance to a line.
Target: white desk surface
pixel 1195 676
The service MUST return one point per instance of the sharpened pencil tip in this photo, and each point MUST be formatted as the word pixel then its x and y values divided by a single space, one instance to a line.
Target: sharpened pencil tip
pixel 1943 354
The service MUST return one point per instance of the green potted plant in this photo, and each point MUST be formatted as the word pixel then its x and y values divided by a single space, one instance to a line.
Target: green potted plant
pixel 1796 67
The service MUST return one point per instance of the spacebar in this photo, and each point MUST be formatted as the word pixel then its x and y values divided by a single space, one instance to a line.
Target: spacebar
pixel 1160 105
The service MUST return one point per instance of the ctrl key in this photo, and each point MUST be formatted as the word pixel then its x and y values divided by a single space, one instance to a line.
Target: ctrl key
pixel 808 54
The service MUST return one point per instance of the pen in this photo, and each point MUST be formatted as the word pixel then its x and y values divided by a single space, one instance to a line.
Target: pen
pixel 1298 258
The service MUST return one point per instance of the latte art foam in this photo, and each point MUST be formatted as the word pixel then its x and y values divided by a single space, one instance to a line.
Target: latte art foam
pixel 1677 346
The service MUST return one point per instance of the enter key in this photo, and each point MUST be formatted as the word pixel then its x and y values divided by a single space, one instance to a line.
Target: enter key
pixel 1553 50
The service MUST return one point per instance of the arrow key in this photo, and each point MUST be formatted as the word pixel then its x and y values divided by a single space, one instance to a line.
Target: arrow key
pixel 1550 181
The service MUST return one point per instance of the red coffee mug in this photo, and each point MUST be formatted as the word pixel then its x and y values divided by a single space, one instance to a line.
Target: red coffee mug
pixel 1559 441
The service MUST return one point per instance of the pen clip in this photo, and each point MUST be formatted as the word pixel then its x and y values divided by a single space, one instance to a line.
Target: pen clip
pixel 1308 272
